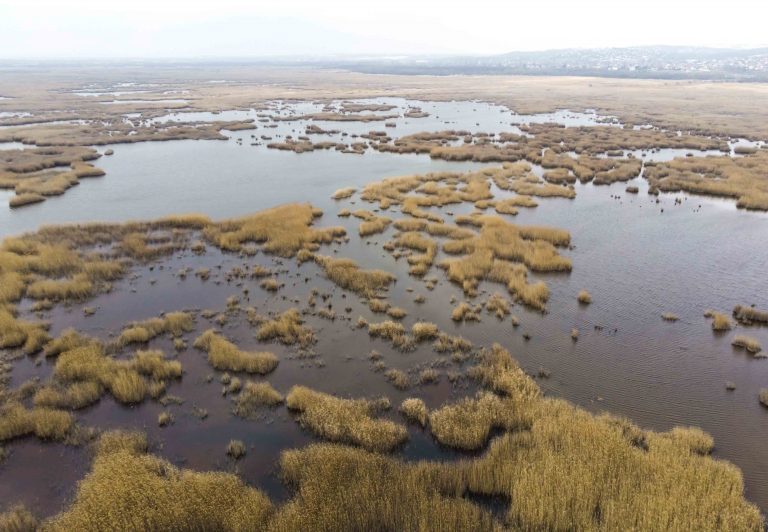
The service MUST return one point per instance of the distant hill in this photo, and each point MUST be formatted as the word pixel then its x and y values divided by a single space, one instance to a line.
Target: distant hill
pixel 665 62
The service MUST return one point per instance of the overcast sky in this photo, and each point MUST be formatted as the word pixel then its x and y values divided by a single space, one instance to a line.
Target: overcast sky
pixel 243 28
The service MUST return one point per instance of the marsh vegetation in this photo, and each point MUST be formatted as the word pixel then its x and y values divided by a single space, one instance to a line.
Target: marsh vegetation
pixel 358 432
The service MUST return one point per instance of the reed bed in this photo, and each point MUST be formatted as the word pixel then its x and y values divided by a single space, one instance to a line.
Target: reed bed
pixel 331 494
pixel 467 423
pixel 72 397
pixel 145 492
pixel 415 410
pixel 44 423
pixel 282 230
pixel 584 297
pixel 750 344
pixel 287 328
pixel 173 323
pixel 126 380
pixel 374 225
pixel 25 198
pixel 749 315
pixel 501 252
pixel 465 312
pixel 423 331
pixel 226 356
pixel 347 274
pixel 254 396
pixel 236 449
pixel 740 178
pixel 398 378
pixel 29 337
pixel 343 193
pixel 720 322
pixel 18 519
pixel 345 420
pixel 498 305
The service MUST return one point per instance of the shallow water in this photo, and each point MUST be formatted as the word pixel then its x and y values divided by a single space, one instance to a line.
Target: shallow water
pixel 636 260
pixel 168 100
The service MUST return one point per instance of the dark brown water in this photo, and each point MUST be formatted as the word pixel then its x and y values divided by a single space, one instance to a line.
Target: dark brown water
pixel 636 261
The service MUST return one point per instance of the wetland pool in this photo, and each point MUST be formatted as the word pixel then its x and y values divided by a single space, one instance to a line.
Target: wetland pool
pixel 637 257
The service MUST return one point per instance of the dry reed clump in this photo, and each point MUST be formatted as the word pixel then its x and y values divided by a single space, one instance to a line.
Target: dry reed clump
pixel 333 493
pixel 371 223
pixel 253 396
pixel 749 315
pixel 393 331
pixel 175 323
pixel 343 193
pixel 446 343
pixel 752 345
pixel 75 396
pixel 423 330
pixel 501 252
pixel 28 336
pixel 345 420
pixel 429 376
pixel 608 463
pixel 467 423
pixel 465 312
pixel 414 409
pixel 18 519
pixel 584 297
pixel 396 313
pixel 763 396
pixel 497 305
pixel 414 225
pixel 68 339
pixel 142 247
pixel 741 178
pixel 152 363
pixel 236 449
pixel 164 419
pixel 45 423
pixel 282 230
pixel 378 305
pixel 145 492
pixel 124 379
pixel 720 321
pixel 288 329
pixel 12 287
pixel 613 473
pixel 386 329
pixel 76 288
pixel 419 264
pixel 347 274
pixel 270 285
pixel 398 378
pixel 500 373
pixel 25 198
pixel 374 225
pixel 225 356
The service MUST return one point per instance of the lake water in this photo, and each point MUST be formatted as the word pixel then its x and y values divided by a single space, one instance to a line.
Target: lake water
pixel 637 258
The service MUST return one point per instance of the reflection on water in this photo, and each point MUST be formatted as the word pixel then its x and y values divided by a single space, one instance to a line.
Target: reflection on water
pixel 637 257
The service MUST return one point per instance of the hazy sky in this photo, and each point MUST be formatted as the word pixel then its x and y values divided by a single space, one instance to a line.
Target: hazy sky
pixel 173 28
